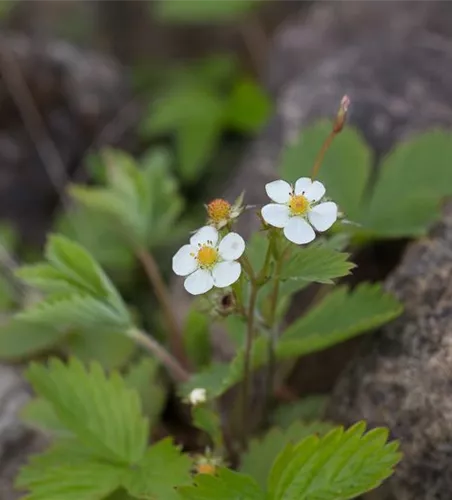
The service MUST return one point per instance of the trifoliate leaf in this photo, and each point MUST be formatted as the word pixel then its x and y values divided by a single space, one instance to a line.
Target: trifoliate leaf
pixel 308 408
pixel 20 339
pixel 48 279
pixel 102 412
pixel 412 180
pixel 79 312
pixel 316 264
pixel 225 485
pixel 143 376
pixel 196 337
pixel 68 472
pixel 39 414
pixel 156 476
pixel 345 169
pixel 248 107
pixel 340 316
pixel 262 452
pixel 340 465
pixel 200 11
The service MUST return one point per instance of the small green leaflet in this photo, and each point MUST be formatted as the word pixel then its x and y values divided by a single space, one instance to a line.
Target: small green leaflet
pixel 66 471
pixel 317 264
pixel 102 412
pixel 340 465
pixel 225 485
pixel 156 476
pixel 340 316
pixel 258 459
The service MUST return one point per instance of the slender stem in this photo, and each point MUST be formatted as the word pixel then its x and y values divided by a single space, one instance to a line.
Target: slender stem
pixel 159 286
pixel 247 267
pixel 321 154
pixel 247 361
pixel 177 371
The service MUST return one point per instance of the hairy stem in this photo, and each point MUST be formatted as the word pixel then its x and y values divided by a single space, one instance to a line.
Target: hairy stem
pixel 176 370
pixel 160 289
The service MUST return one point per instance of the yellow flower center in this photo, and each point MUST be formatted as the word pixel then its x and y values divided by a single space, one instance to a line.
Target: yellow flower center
pixel 298 204
pixel 207 256
pixel 206 468
pixel 219 210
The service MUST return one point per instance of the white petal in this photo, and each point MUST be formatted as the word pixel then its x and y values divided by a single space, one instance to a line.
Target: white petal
pixel 200 281
pixel 279 191
pixel 276 215
pixel 323 216
pixel 231 246
pixel 299 231
pixel 203 235
pixel 226 273
pixel 302 185
pixel 315 192
pixel 184 262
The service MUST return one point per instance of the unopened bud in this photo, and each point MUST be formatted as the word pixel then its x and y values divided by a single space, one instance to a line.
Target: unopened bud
pixel 341 115
pixel 197 396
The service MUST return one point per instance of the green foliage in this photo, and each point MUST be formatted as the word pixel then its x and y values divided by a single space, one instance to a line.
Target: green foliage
pixel 196 336
pixel 19 339
pixel 200 11
pixel 411 181
pixel 196 105
pixel 67 472
pixel 144 377
pixel 207 420
pixel 225 485
pixel 142 200
pixel 340 465
pixel 162 468
pixel 39 414
pixel 262 452
pixel 308 408
pixel 318 264
pixel 338 317
pixel 102 412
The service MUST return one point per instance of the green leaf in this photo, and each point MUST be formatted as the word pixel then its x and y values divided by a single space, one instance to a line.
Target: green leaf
pixel 345 169
pixel 340 316
pixel 39 414
pixel 66 472
pixel 262 452
pixel 48 279
pixel 225 485
pixel 143 376
pixel 102 412
pixel 20 339
pixel 79 312
pixel 111 349
pixel 200 11
pixel 248 107
pixel 78 266
pixel 412 181
pixel 156 476
pixel 207 420
pixel 307 409
pixel 196 336
pixel 341 464
pixel 317 264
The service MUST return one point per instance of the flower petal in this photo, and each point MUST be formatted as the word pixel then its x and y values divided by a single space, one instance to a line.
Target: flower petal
pixel 199 282
pixel 226 273
pixel 315 192
pixel 279 191
pixel 184 261
pixel 203 235
pixel 231 246
pixel 302 185
pixel 276 215
pixel 299 231
pixel 323 216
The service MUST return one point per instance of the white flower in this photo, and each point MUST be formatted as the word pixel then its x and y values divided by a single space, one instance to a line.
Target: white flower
pixel 297 207
pixel 209 262
pixel 197 396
